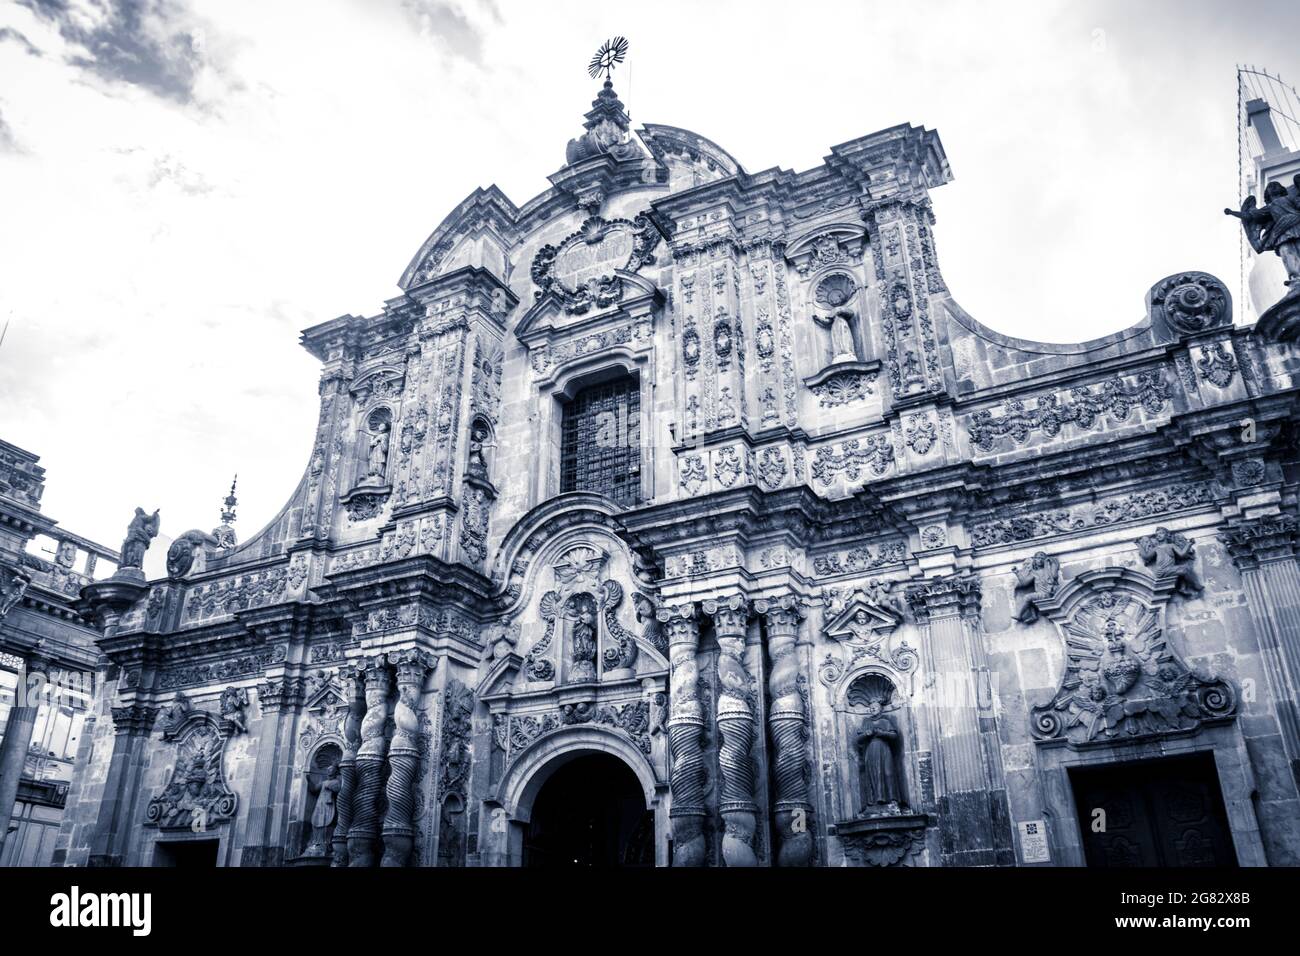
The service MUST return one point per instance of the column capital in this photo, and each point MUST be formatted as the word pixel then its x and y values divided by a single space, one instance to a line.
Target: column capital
pixel 783 613
pixel 277 693
pixel 1255 541
pixel 730 615
pixel 134 719
pixel 412 664
pixel 679 623
pixel 957 595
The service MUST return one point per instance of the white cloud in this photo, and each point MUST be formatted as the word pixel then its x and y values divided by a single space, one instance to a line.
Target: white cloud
pixel 193 192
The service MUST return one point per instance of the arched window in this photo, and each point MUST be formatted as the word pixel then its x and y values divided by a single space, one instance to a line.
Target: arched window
pixel 600 447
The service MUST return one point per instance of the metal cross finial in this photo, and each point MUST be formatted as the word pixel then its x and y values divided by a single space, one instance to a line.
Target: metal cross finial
pixel 610 54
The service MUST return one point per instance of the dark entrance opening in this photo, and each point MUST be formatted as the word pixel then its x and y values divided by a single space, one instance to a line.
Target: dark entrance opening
pixel 1163 812
pixel 192 854
pixel 591 812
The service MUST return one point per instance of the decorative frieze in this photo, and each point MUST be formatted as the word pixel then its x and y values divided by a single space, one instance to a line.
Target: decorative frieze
pixel 1121 508
pixel 1083 408
pixel 854 459
pixel 859 559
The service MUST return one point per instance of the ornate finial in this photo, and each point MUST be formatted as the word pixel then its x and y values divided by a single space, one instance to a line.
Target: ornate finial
pixel 610 54
pixel 228 512
pixel 224 533
pixel 608 127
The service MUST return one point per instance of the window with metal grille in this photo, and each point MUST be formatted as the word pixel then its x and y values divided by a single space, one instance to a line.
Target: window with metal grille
pixel 600 446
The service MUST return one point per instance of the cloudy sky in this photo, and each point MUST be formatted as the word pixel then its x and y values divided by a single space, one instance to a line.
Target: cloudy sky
pixel 184 185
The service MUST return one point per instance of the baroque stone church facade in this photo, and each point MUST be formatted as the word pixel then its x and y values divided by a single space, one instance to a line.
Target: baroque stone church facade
pixel 681 516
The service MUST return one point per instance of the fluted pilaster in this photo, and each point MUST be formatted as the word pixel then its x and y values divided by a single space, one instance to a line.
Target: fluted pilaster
pixel 685 730
pixel 735 730
pixel 949 606
pixel 412 667
pixel 787 722
pixel 364 829
pixel 1265 551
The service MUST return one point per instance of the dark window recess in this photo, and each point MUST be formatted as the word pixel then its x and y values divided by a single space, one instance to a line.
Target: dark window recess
pixel 600 448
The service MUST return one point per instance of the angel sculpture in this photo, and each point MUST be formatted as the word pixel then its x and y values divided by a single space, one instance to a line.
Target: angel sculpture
pixel 1038 578
pixel 1174 557
pixel 139 535
pixel 1275 227
pixel 878 593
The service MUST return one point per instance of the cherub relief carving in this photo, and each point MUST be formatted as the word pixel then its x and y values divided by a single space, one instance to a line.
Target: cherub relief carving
pixel 1038 579
pixel 1173 556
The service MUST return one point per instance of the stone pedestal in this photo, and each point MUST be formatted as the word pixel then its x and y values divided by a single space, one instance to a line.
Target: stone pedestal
pixel 1281 322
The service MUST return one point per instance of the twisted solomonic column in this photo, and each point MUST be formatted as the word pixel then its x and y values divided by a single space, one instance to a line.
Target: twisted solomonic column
pixel 685 730
pixel 354 690
pixel 735 731
pixel 787 722
pixel 364 828
pixel 412 666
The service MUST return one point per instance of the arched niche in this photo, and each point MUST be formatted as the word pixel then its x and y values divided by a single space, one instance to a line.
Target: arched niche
pixel 877 737
pixel 320 788
pixel 374 445
pixel 579 621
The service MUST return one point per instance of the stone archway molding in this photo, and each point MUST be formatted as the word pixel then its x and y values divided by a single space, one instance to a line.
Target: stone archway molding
pixel 526 775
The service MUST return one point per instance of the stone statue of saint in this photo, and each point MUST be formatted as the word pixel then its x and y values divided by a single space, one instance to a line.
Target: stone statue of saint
pixel 842 347
pixel 584 639
pixel 378 454
pixel 878 776
pixel 478 438
pixel 1037 578
pixel 139 535
pixel 1275 227
pixel 1174 557
pixel 323 815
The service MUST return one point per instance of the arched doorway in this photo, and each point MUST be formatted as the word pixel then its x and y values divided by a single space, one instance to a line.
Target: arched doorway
pixel 590 812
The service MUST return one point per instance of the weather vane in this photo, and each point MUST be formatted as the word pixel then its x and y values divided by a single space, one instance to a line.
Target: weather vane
pixel 610 54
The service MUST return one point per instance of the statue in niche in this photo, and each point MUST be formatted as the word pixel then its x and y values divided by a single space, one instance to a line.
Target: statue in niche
pixel 581 611
pixel 1038 578
pixel 377 458
pixel 1275 227
pixel 324 813
pixel 875 743
pixel 479 436
pixel 842 347
pixel 139 535
pixel 1174 557
pixel 833 294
